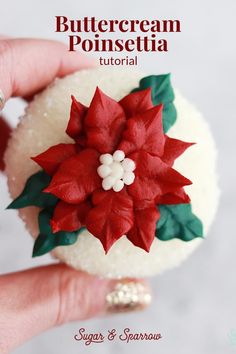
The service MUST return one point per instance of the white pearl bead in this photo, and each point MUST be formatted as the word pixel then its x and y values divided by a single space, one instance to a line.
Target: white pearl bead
pixel 118 155
pixel 118 186
pixel 108 183
pixel 103 171
pixel 128 165
pixel 116 170
pixel 106 159
pixel 128 178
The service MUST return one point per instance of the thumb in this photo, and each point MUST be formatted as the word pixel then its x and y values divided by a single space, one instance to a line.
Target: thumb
pixel 35 300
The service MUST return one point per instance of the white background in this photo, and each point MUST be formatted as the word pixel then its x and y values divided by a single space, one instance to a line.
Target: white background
pixel 194 305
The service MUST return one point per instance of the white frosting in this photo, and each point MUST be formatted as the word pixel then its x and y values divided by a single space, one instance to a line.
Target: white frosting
pixel 116 171
pixel 118 155
pixel 44 125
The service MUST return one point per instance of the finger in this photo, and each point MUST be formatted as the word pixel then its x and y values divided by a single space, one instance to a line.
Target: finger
pixel 35 300
pixel 5 131
pixel 28 65
pixel 2 36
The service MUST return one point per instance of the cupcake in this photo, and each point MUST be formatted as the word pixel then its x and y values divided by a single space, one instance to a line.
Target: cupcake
pixel 114 173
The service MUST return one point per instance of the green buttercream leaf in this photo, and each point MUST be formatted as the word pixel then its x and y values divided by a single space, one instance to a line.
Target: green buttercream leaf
pixel 162 92
pixel 47 240
pixel 33 193
pixel 178 221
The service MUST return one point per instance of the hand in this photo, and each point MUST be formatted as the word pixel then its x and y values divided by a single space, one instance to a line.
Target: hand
pixel 35 300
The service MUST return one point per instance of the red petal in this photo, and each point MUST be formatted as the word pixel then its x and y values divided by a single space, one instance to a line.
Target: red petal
pixel 111 217
pixel 104 123
pixel 144 132
pixel 153 177
pixel 76 177
pixel 51 159
pixel 177 197
pixel 69 217
pixel 137 102
pixel 174 148
pixel 5 132
pixel 143 232
pixel 75 126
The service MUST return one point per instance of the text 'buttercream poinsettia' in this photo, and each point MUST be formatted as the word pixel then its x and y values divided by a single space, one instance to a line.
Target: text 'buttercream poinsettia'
pixel 118 170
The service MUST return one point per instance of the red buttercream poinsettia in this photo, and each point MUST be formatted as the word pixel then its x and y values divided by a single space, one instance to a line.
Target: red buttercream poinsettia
pixel 133 126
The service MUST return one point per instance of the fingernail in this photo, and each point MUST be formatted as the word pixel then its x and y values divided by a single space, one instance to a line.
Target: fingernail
pixel 128 296
pixel 2 100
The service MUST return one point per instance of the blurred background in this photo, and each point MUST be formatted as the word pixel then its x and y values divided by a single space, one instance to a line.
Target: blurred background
pixel 194 306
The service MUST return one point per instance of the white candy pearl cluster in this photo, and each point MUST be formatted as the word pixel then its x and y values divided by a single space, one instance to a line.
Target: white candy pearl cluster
pixel 116 170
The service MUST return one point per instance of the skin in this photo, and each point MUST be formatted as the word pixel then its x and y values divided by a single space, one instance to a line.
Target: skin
pixel 35 300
